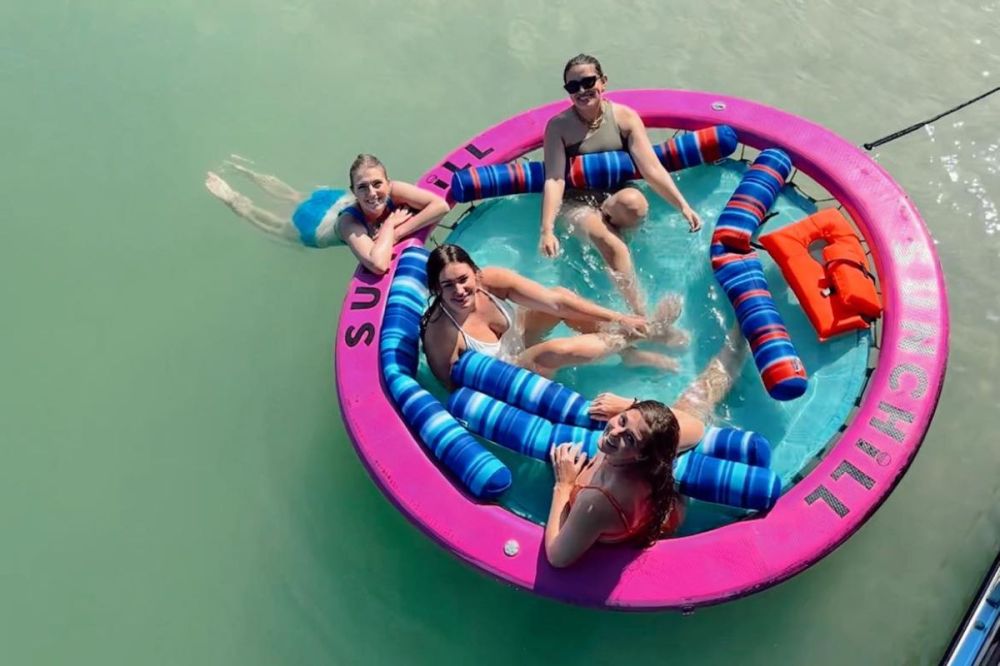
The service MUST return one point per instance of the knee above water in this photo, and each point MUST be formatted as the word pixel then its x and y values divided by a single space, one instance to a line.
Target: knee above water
pixel 629 208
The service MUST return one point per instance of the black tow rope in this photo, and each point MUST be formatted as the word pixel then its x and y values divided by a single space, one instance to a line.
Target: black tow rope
pixel 914 128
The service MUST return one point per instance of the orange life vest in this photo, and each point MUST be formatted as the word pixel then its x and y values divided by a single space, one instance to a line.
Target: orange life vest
pixel 839 294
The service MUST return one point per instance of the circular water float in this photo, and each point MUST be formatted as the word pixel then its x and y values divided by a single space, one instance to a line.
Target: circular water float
pixel 454 488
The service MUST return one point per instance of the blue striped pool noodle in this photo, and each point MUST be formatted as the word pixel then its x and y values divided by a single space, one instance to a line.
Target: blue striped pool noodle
pixel 726 482
pixel 602 171
pixel 697 475
pixel 756 192
pixel 523 388
pixel 496 180
pixel 742 279
pixel 742 446
pixel 739 272
pixel 515 428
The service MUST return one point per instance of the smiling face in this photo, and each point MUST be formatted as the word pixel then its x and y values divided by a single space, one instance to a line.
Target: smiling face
pixel 458 282
pixel 578 77
pixel 624 438
pixel 371 187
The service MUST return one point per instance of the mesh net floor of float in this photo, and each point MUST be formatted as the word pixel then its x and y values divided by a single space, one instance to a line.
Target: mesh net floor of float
pixel 504 232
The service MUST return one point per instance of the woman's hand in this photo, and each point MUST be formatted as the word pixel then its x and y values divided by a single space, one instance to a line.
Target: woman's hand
pixel 634 326
pixel 567 461
pixel 549 245
pixel 694 222
pixel 398 217
pixel 607 405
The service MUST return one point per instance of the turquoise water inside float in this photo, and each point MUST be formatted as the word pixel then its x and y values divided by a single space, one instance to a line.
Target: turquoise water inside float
pixel 670 259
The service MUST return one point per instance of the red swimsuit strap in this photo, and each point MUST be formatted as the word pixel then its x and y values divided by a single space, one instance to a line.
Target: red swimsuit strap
pixel 629 531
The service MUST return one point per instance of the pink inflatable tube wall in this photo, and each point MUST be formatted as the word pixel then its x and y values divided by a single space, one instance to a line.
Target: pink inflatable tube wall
pixel 811 519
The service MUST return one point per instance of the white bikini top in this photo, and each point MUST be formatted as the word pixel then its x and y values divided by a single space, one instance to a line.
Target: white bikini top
pixel 489 348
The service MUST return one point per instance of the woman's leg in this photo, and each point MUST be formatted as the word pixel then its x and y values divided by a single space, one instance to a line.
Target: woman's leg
pixel 242 206
pixel 589 222
pixel 711 386
pixel 639 358
pixel 661 324
pixel 270 184
pixel 625 209
pixel 536 324
pixel 547 357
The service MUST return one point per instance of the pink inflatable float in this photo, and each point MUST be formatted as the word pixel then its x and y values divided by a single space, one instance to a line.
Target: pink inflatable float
pixel 811 518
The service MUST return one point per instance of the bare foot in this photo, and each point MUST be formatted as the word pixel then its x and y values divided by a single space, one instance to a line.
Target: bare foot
pixel 220 188
pixel 668 309
pixel 239 167
pixel 227 195
pixel 661 326
pixel 270 184
pixel 638 358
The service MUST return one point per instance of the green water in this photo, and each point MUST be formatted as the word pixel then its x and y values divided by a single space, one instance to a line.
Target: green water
pixel 177 487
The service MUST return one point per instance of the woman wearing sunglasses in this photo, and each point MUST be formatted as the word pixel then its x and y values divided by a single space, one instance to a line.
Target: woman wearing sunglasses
pixel 592 125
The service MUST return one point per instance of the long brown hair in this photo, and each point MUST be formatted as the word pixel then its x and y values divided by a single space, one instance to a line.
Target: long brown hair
pixel 660 450
pixel 440 257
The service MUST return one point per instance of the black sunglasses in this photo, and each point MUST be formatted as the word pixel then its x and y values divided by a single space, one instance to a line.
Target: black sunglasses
pixel 575 86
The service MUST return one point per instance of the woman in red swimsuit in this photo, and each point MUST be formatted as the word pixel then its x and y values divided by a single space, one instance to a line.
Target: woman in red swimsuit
pixel 626 491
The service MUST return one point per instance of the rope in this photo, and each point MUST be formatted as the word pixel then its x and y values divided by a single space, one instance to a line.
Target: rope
pixel 914 128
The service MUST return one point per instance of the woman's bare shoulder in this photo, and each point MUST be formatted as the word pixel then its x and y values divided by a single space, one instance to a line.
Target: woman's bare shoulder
pixel 626 117
pixel 439 329
pixel 558 122
pixel 692 428
pixel 597 503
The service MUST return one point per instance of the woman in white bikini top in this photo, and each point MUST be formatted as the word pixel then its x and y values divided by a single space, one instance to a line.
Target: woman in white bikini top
pixel 494 349
pixel 478 318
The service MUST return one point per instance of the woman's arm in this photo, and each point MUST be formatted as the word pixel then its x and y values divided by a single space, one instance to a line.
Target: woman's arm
pixel 374 254
pixel 428 207
pixel 441 352
pixel 560 302
pixel 607 405
pixel 641 150
pixel 555 186
pixel 692 429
